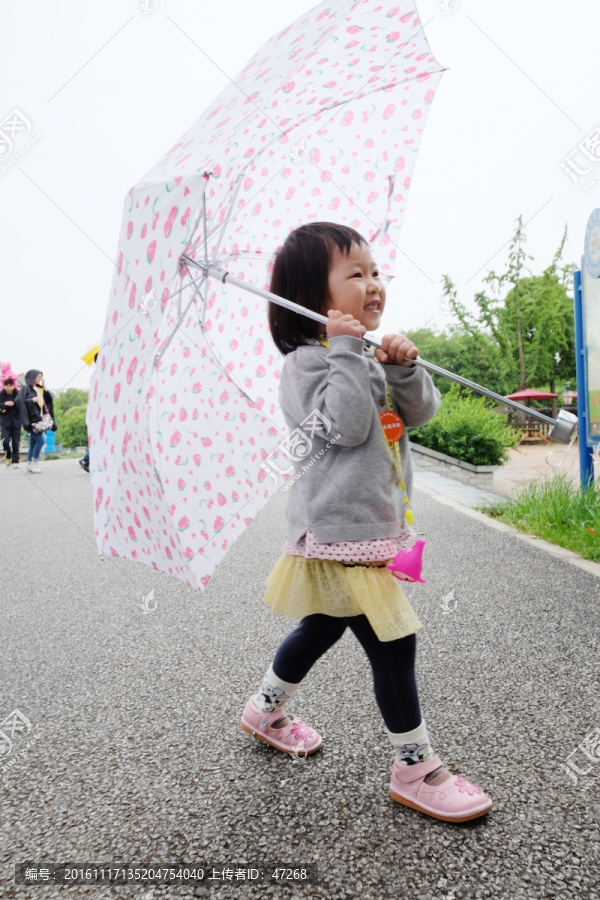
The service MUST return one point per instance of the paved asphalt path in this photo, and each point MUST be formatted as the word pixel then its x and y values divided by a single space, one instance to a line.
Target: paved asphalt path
pixel 135 752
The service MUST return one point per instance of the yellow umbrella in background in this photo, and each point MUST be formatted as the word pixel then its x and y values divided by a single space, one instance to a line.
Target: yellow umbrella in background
pixel 88 357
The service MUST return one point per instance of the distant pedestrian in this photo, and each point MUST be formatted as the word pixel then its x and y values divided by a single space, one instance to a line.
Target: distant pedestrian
pixel 85 462
pixel 10 422
pixel 350 512
pixel 37 414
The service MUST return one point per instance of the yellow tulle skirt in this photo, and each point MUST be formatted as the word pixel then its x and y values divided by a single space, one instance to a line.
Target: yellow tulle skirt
pixel 298 587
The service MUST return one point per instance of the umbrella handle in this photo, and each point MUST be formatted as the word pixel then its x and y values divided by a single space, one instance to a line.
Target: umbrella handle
pixel 562 428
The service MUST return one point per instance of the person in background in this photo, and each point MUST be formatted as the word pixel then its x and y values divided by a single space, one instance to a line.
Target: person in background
pixel 85 462
pixel 34 400
pixel 10 423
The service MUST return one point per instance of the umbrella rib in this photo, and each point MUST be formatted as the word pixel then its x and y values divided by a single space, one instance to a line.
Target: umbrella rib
pixel 237 386
pixel 169 337
pixel 208 235
pixel 124 325
pixel 217 361
pixel 234 195
pixel 223 225
pixel 200 216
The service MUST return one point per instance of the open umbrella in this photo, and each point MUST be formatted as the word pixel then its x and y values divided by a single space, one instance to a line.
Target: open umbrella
pixel 530 394
pixel 88 356
pixel 324 122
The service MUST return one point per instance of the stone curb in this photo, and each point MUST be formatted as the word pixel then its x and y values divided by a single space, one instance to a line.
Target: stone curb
pixel 450 460
pixel 592 568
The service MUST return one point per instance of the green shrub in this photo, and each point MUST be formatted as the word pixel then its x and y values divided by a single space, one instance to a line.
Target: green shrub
pixel 466 428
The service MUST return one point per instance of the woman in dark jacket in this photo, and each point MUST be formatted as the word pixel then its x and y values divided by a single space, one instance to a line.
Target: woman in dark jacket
pixel 34 400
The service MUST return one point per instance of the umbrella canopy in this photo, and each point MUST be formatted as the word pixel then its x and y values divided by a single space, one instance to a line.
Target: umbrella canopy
pixel 530 394
pixel 323 123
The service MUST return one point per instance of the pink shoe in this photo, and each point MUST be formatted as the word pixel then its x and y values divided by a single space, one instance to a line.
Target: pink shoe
pixel 454 800
pixel 295 737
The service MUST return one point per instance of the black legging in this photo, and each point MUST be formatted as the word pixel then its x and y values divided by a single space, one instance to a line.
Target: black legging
pixel 393 663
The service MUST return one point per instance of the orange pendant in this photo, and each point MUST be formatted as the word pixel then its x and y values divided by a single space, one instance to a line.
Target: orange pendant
pixel 392 424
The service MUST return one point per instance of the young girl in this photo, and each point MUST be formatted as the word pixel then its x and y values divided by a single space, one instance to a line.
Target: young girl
pixel 348 511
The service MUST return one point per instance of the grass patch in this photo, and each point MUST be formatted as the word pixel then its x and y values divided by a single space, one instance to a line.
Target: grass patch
pixel 64 456
pixel 558 511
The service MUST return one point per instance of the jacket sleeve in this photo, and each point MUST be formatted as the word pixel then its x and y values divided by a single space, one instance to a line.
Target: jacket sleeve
pixel 31 411
pixel 22 407
pixel 413 392
pixel 335 382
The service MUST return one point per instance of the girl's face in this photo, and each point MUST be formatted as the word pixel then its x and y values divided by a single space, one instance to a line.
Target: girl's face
pixel 39 378
pixel 355 286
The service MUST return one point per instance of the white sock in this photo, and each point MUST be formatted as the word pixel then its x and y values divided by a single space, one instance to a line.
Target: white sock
pixel 274 692
pixel 412 746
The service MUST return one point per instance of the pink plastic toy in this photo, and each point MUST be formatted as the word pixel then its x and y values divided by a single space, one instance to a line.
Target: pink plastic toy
pixel 7 372
pixel 407 564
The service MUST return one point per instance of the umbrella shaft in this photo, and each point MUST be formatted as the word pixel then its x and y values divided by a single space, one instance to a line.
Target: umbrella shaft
pixel 225 277
pixel 431 367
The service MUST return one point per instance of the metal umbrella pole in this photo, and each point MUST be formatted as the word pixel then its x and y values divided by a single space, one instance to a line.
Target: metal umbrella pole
pixel 562 427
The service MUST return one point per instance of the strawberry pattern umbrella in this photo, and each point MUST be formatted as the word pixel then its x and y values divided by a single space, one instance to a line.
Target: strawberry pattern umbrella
pixel 323 123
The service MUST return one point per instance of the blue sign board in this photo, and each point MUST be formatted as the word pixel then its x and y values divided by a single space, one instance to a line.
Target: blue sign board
pixel 587 342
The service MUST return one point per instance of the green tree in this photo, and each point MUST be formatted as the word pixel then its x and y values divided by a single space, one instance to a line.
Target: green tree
pixel 69 398
pixel 72 431
pixel 529 318
pixel 473 355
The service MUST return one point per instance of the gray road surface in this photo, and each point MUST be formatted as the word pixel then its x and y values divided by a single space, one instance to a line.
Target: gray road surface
pixel 135 753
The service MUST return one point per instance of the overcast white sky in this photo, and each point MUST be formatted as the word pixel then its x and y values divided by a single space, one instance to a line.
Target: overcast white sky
pixel 110 89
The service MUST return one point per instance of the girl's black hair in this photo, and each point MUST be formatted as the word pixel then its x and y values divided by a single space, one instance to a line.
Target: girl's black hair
pixel 301 273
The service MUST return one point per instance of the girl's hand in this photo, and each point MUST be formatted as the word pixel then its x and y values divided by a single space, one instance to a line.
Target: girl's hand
pixel 396 350
pixel 343 324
